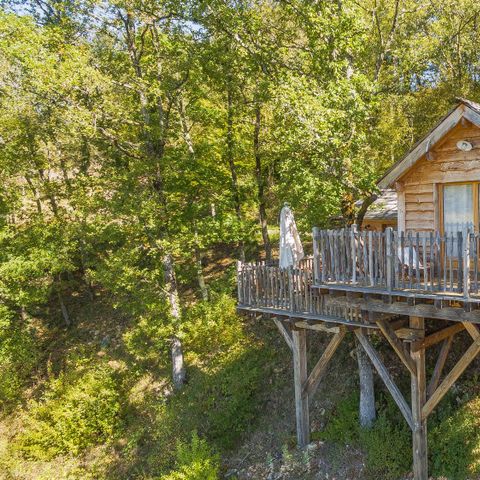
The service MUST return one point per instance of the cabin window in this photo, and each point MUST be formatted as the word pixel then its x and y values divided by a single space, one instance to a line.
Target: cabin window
pixel 458 209
pixel 460 206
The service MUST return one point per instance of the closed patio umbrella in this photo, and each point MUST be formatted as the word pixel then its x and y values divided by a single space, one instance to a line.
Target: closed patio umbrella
pixel 291 250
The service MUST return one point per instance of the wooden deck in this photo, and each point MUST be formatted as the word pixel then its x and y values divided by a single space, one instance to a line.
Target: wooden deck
pixel 421 274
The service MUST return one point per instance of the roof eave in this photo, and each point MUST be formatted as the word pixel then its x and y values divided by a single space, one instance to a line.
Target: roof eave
pixel 423 146
pixel 464 109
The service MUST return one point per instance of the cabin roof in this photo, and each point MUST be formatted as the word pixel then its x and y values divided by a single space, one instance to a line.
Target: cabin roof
pixel 383 208
pixel 463 109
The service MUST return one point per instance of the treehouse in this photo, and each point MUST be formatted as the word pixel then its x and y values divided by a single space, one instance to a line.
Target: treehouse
pixel 415 281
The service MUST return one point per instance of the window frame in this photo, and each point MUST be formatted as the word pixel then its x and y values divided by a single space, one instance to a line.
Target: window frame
pixel 475 193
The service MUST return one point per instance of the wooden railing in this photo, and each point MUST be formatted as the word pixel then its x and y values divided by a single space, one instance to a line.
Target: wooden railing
pixel 264 284
pixel 420 261
pixel 267 287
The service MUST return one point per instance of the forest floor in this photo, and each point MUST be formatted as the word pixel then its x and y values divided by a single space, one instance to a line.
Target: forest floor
pixel 239 397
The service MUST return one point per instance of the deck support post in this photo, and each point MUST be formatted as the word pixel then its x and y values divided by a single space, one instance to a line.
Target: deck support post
pixel 299 337
pixel 419 397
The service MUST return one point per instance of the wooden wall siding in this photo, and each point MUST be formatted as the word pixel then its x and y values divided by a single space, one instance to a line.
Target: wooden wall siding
pixel 447 165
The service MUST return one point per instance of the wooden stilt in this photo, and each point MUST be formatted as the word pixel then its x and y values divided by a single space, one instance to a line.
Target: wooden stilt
pixel 419 397
pixel 300 376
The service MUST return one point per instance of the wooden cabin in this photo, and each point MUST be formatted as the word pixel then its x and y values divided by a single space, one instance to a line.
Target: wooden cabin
pixel 437 183
pixel 416 285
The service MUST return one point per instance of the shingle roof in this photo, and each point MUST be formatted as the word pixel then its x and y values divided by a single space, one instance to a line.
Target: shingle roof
pixel 384 207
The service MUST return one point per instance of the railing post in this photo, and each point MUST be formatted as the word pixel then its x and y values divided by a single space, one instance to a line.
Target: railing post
pixel 370 258
pixel 390 258
pixel 290 288
pixel 316 255
pixel 466 263
pixel 353 246
pixel 239 282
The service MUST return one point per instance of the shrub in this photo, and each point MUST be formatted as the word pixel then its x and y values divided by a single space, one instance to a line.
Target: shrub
pixel 454 441
pixel 17 357
pixel 389 429
pixel 195 461
pixel 77 410
pixel 212 326
pixel 388 447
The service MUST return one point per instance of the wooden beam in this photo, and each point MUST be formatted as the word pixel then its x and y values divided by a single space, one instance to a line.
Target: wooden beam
pixel 409 334
pixel 472 330
pixel 311 384
pixel 437 372
pixel 299 378
pixel 419 397
pixel 385 376
pixel 415 294
pixel 277 312
pixel 455 314
pixel 437 337
pixel 285 333
pixel 472 116
pixel 397 345
pixel 451 378
pixel 321 327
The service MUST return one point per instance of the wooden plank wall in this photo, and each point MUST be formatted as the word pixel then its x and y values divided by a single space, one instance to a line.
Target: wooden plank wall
pixel 447 164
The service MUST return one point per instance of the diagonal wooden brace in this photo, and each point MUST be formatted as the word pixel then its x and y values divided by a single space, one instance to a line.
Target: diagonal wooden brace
pixel 472 330
pixel 451 378
pixel 397 345
pixel 437 372
pixel 385 376
pixel 285 333
pixel 313 380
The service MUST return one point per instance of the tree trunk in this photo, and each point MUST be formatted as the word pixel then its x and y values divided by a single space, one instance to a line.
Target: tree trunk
pixel 201 279
pixel 261 184
pixel 199 267
pixel 363 209
pixel 191 150
pixel 367 413
pixel 348 209
pixel 178 367
pixel 155 150
pixel 63 308
pixel 231 164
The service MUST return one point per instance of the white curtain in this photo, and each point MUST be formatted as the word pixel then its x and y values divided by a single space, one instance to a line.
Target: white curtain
pixel 291 249
pixel 457 212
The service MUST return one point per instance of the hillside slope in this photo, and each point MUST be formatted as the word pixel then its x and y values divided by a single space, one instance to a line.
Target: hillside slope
pixel 98 404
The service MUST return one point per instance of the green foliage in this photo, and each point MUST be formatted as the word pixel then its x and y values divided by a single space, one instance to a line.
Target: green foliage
pixel 18 356
pixel 229 396
pixel 213 324
pixel 78 409
pixel 386 444
pixel 195 461
pixel 454 440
